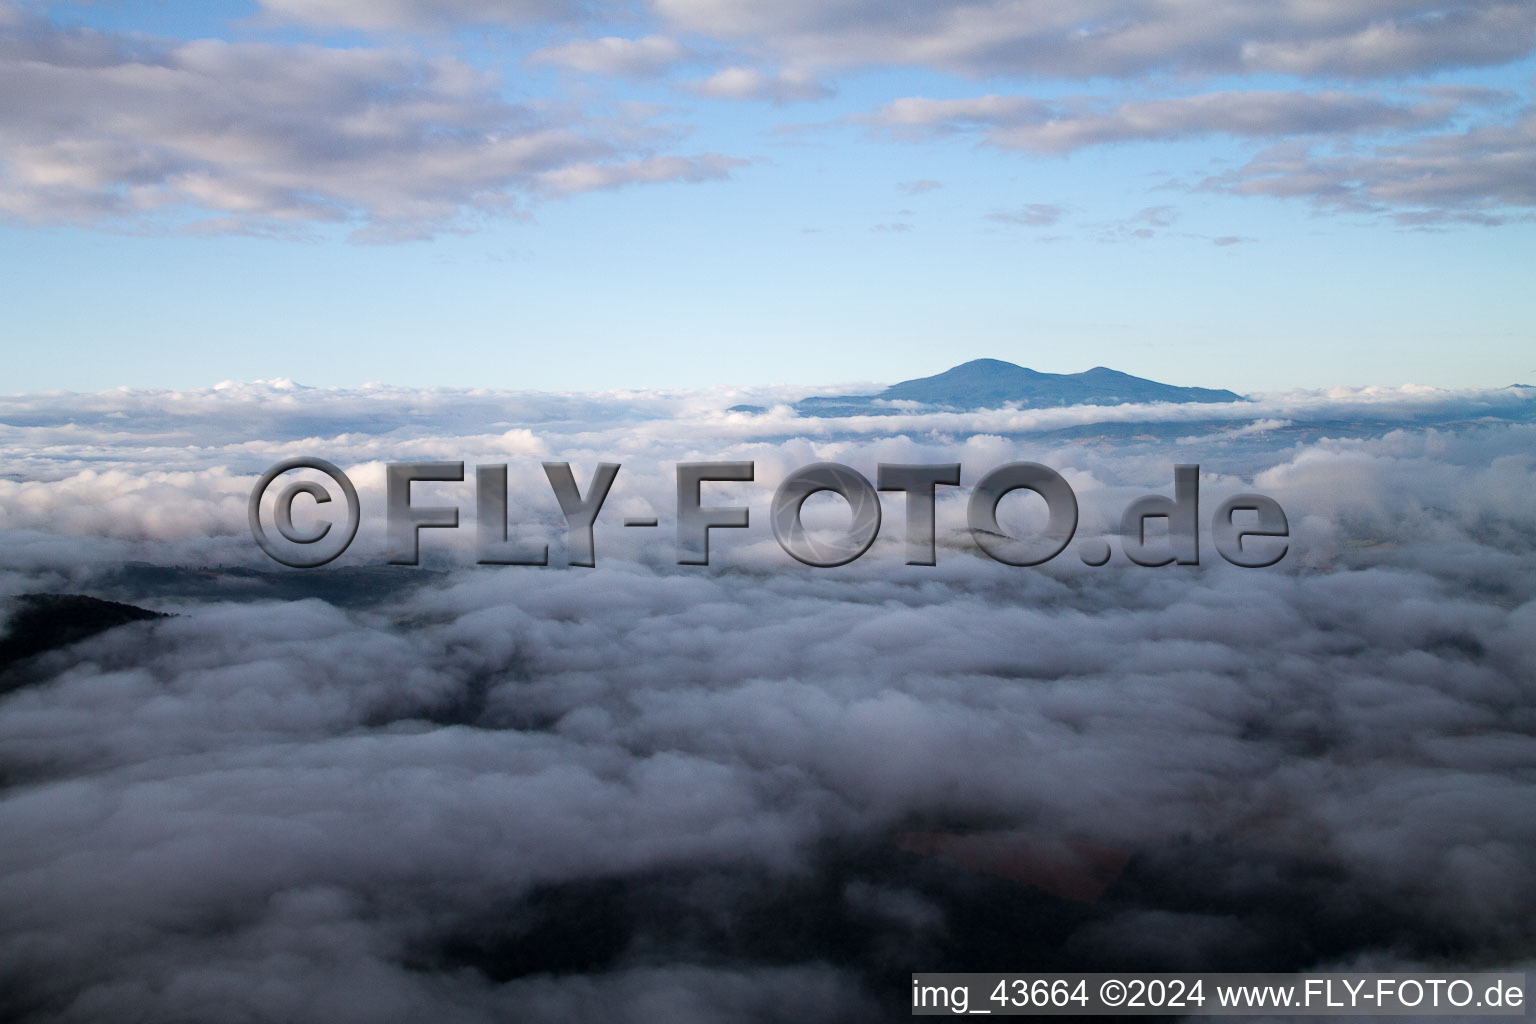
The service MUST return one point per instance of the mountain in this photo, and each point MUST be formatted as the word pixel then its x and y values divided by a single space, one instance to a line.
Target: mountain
pixel 991 383
pixel 43 622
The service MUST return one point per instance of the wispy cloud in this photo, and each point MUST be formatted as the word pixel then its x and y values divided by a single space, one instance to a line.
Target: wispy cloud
pixel 1031 215
pixel 649 57
pixel 1026 123
pixel 1483 175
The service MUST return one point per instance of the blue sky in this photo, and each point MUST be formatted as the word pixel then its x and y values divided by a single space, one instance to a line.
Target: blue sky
pixel 1245 195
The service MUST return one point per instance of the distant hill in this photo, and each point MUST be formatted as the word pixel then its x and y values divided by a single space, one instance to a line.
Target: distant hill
pixel 991 383
pixel 44 622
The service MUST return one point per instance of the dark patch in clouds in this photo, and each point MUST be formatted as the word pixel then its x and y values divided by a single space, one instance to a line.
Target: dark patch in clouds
pixel 37 623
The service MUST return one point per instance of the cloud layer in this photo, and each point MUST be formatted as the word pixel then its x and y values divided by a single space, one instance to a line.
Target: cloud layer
pixel 1115 38
pixel 746 791
pixel 397 138
pixel 987 37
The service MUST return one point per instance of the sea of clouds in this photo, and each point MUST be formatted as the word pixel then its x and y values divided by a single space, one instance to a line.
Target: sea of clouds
pixel 754 790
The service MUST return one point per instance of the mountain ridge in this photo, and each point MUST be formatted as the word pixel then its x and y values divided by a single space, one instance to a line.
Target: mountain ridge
pixel 992 383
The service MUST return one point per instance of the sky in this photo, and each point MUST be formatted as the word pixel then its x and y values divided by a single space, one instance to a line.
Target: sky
pixel 691 193
pixel 522 232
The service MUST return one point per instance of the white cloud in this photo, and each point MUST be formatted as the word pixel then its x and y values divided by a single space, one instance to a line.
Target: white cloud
pixel 649 57
pixel 746 83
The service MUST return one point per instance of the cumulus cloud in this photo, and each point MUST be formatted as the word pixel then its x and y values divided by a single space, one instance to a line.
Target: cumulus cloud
pixel 208 135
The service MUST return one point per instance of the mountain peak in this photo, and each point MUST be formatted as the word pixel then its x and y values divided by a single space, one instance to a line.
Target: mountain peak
pixel 986 364
pixel 993 383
